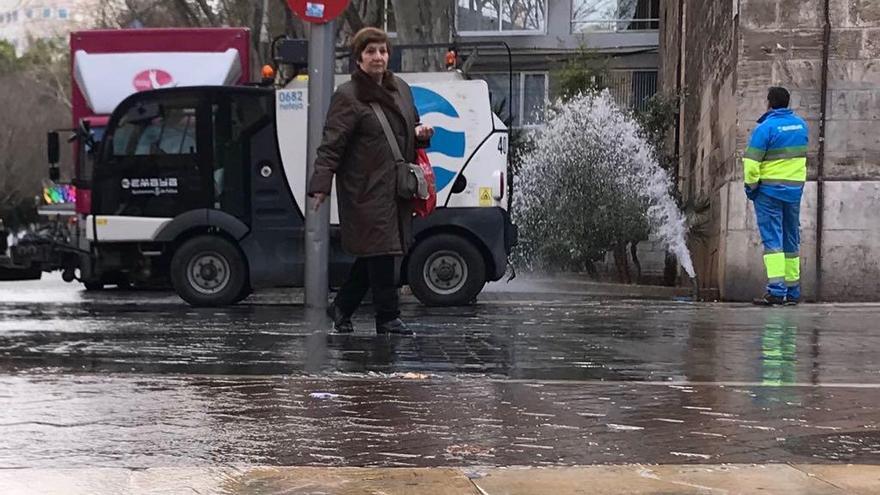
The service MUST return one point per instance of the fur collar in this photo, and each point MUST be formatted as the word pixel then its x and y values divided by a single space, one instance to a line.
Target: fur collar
pixel 367 91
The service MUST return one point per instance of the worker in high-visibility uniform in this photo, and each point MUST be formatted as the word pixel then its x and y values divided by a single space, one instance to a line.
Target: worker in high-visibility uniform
pixel 775 169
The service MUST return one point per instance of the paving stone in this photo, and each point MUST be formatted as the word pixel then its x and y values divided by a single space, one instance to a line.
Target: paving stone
pixel 778 479
pixel 351 481
pixel 854 479
pixel 593 480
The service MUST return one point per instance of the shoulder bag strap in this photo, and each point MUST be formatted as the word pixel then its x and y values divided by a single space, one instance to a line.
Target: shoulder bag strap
pixel 386 127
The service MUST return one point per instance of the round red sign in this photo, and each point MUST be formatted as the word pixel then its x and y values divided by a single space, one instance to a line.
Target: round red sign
pixel 318 11
pixel 152 79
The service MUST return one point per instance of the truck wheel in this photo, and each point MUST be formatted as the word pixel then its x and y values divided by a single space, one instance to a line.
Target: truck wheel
pixel 245 292
pixel 446 270
pixel 208 271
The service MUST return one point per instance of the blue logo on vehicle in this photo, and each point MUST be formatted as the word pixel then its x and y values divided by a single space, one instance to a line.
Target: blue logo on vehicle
pixel 446 142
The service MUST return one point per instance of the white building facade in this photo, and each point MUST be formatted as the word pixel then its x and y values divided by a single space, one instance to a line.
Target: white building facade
pixel 24 20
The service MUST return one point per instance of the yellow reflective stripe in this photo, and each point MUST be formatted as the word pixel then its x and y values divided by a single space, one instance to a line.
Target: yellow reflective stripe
pixel 775 264
pixel 792 269
pixel 751 171
pixel 788 169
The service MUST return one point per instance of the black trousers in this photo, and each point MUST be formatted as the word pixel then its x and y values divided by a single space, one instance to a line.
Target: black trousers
pixel 378 273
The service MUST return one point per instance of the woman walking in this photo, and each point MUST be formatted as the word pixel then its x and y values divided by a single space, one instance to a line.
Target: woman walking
pixel 376 224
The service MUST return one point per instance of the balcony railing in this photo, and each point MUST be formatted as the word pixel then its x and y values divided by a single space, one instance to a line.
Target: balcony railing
pixel 614 25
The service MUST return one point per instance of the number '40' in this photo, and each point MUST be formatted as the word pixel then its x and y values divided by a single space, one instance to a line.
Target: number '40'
pixel 502 145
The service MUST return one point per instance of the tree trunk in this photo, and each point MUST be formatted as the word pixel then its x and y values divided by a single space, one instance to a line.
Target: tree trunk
pixel 634 252
pixel 423 22
pixel 670 270
pixel 620 261
pixel 592 271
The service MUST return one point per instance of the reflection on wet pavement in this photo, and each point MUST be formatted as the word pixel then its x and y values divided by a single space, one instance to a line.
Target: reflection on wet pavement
pixel 122 379
pixel 558 340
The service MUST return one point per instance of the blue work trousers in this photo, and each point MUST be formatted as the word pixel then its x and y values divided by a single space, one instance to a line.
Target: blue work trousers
pixel 779 224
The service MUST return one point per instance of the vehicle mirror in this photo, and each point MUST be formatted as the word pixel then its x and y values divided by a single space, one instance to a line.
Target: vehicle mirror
pixel 52 147
pixel 85 135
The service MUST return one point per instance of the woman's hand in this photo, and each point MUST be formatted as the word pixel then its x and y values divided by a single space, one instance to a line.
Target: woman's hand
pixel 424 132
pixel 317 199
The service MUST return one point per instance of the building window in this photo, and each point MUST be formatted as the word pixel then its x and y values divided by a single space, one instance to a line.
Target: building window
pixel 528 103
pixel 615 15
pixel 29 13
pixel 47 13
pixel 62 13
pixel 481 16
pixel 14 16
pixel 389 20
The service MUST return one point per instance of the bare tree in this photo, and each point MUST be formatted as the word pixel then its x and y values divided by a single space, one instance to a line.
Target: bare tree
pixel 423 22
pixel 363 13
pixel 22 141
pixel 208 13
pixel 615 14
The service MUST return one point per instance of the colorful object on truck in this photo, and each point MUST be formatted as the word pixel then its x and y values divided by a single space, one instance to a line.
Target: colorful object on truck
pixel 57 194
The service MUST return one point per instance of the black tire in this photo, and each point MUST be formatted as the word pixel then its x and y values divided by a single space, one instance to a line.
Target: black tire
pixel 446 270
pixel 245 292
pixel 208 271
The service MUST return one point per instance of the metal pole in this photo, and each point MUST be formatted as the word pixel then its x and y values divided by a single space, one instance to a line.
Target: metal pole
pixel 820 166
pixel 317 247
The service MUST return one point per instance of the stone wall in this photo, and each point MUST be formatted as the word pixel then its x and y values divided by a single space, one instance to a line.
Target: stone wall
pixel 707 133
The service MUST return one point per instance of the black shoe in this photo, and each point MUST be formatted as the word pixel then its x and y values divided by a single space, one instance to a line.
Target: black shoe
pixel 791 301
pixel 341 322
pixel 769 300
pixel 394 326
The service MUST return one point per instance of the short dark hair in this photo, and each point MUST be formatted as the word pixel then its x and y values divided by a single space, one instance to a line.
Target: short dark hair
pixel 778 97
pixel 366 36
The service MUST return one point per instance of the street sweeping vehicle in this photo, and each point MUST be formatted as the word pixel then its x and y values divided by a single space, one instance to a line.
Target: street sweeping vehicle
pixel 141 59
pixel 206 185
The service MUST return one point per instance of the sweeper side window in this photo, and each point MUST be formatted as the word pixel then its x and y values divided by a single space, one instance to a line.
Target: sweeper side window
pixel 169 131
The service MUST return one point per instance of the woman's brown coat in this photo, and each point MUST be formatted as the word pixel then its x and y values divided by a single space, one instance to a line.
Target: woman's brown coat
pixel 373 220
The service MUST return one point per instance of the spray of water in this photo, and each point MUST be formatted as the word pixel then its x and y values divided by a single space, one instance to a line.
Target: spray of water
pixel 589 143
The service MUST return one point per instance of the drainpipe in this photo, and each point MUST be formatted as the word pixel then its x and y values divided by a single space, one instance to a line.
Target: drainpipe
pixel 678 86
pixel 820 166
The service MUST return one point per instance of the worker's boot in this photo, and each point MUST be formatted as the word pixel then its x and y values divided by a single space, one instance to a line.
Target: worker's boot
pixel 394 326
pixel 341 321
pixel 769 300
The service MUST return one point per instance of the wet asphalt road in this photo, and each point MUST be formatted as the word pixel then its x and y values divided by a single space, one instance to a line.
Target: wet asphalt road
pixel 138 380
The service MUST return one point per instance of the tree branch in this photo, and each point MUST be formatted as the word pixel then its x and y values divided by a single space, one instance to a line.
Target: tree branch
pixel 208 11
pixel 353 18
pixel 186 13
